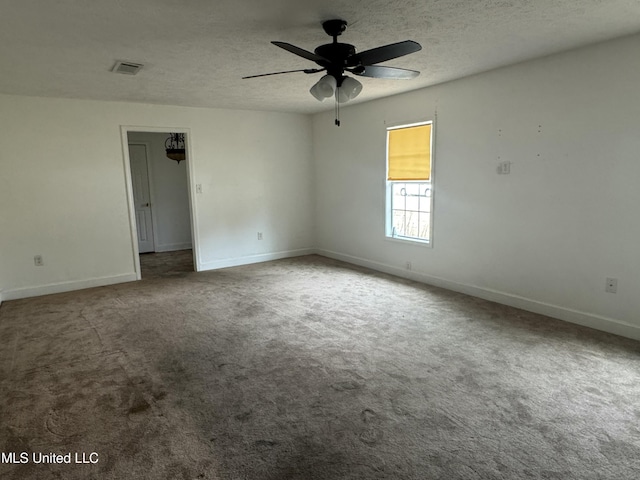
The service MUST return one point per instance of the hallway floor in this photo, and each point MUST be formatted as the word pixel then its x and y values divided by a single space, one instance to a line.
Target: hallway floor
pixel 166 264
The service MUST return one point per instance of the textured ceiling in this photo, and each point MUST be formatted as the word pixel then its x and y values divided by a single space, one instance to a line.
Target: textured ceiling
pixel 196 51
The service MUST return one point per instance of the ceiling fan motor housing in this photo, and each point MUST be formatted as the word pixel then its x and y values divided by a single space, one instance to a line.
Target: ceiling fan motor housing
pixel 336 53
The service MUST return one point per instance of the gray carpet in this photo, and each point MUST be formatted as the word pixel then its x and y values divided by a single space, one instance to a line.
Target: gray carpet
pixel 308 368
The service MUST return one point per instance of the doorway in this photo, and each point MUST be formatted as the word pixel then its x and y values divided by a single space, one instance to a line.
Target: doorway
pixel 160 204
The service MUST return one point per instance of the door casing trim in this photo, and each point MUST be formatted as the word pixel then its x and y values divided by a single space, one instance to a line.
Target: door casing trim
pixel 124 131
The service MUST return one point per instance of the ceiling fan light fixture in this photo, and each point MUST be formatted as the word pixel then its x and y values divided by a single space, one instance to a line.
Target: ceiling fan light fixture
pixel 336 58
pixel 324 88
pixel 349 89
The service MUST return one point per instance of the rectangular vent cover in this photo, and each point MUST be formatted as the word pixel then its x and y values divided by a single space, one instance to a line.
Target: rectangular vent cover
pixel 128 68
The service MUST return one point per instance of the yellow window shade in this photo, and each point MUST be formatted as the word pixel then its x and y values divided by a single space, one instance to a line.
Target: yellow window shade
pixel 410 153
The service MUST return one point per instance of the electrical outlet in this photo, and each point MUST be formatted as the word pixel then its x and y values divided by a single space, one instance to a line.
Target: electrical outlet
pixel 611 285
pixel 259 235
pixel 37 261
pixel 407 265
pixel 198 188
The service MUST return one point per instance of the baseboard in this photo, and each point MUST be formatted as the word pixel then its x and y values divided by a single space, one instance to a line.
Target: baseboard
pixel 172 247
pixel 586 319
pixel 66 286
pixel 265 257
pixel 1 297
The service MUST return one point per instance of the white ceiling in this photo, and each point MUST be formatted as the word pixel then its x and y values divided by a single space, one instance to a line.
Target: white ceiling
pixel 196 51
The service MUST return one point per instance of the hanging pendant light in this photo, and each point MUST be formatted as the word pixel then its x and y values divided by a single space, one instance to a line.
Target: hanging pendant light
pixel 174 146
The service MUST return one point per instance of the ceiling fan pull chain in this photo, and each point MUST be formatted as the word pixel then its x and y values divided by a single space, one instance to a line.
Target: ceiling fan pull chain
pixel 337 108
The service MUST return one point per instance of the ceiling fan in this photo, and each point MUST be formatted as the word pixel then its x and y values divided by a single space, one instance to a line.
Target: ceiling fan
pixel 337 58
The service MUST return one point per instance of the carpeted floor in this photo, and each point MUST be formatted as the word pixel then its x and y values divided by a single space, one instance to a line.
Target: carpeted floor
pixel 308 368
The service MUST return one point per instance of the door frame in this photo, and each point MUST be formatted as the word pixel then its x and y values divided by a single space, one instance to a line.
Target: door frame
pixel 133 229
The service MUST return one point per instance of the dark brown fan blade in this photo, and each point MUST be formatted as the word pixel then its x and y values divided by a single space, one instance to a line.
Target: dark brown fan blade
pixel 376 71
pixel 305 70
pixel 384 53
pixel 300 52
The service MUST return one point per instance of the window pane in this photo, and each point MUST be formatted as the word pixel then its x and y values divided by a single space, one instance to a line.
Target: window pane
pixel 413 202
pixel 399 189
pixel 398 222
pixel 412 224
pixel 425 220
pixel 425 198
pixel 410 209
pixel 413 189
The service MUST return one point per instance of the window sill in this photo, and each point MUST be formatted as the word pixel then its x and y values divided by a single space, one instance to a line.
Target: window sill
pixel 409 241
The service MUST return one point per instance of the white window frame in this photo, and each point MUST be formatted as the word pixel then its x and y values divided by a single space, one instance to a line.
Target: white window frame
pixel 389 229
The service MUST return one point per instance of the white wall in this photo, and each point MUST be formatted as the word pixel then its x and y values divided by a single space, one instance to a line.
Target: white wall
pixel 63 194
pixel 544 237
pixel 169 194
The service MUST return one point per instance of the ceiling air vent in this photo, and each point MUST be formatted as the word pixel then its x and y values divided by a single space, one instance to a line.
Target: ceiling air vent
pixel 128 68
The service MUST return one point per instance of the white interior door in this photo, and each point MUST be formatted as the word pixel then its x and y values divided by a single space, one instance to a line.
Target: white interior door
pixel 141 197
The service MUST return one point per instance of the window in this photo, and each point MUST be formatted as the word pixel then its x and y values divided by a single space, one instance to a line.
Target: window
pixel 409 182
